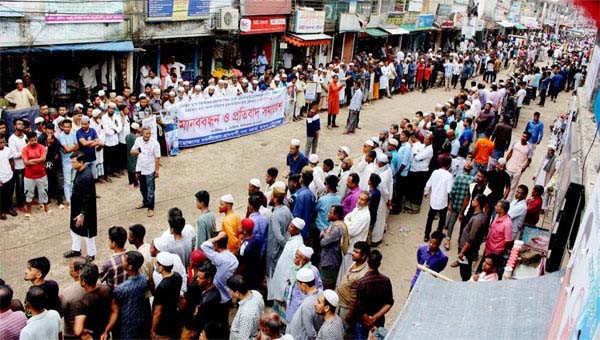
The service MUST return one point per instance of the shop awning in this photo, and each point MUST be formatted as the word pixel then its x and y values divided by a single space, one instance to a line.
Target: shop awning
pixel 376 32
pixel 414 28
pixel 503 309
pixel 302 40
pixel 396 31
pixel 520 27
pixel 115 46
pixel 505 24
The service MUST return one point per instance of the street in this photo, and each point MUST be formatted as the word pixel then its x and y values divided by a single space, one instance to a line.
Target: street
pixel 227 167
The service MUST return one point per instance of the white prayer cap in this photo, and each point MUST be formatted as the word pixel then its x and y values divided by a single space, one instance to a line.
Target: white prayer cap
pixel 101 93
pixel 298 223
pixel 468 103
pixel 135 126
pixel 331 297
pixel 473 89
pixel 276 78
pixel 550 146
pixel 489 102
pixel 96 113
pixel 393 141
pixel 313 158
pixel 198 87
pixel 160 243
pixel 306 251
pixel 255 182
pixel 142 95
pixel 369 143
pixel 165 259
pixel 305 275
pixel 78 105
pixel 382 158
pixel 172 94
pixel 346 150
pixel 85 119
pixel 186 82
pixel 375 140
pixel 295 142
pixel 38 120
pixel 255 82
pixel 156 91
pixel 113 105
pixel 228 198
pixel 18 81
pixel 502 161
pixel 279 187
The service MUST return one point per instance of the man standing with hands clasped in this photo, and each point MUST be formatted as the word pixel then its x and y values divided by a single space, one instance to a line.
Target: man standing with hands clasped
pixel 147 151
pixel 83 208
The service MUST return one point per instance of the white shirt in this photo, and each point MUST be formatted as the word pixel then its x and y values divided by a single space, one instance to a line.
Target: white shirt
pixel 88 76
pixel 358 221
pixel 16 145
pixel 45 325
pixel 520 96
pixel 356 100
pixel 517 212
pixel 6 172
pixel 149 152
pixel 179 67
pixel 422 157
pixel 440 185
pixel 112 128
pixel 125 130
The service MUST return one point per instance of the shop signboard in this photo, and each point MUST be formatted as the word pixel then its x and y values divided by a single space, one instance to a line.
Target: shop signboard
pixel 77 11
pixel 262 24
pixel 309 21
pixel 265 7
pixel 333 9
pixel 425 20
pixel 176 10
pixel 415 6
pixel 529 22
pixel 215 120
pixel 394 19
pixel 349 23
pixel 514 14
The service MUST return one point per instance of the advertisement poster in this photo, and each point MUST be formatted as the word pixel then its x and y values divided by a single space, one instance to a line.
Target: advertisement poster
pixel 77 11
pixel 177 10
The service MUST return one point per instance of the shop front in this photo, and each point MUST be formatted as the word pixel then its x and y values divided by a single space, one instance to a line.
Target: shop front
pixel 392 27
pixel 344 41
pixel 422 33
pixel 305 42
pixel 56 70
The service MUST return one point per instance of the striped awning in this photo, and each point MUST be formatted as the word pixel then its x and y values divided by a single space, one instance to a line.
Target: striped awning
pixel 302 40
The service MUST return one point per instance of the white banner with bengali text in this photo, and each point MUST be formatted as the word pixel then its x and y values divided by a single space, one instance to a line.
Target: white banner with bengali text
pixel 214 120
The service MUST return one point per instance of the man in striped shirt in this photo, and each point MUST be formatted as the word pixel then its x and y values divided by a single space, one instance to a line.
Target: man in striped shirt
pixel 113 272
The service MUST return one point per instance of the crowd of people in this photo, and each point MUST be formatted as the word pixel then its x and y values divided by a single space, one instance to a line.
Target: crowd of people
pixel 302 263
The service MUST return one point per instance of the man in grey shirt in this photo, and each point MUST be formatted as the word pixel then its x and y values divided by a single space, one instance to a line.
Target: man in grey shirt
pixel 332 328
pixel 278 224
pixel 306 322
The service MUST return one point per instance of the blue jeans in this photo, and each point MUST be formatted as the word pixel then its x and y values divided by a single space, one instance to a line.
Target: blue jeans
pixel 147 190
pixel 360 331
pixel 476 167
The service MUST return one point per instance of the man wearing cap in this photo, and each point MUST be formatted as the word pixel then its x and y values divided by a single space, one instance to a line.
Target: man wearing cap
pixel 278 283
pixel 317 185
pixel 332 327
pixel 147 151
pixel 306 322
pixel 112 126
pixel 20 97
pixel 296 160
pixel 231 223
pixel 387 192
pixel 295 296
pixel 278 225
pixel 165 316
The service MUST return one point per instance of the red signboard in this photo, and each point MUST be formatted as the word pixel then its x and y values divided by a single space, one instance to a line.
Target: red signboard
pixel 265 7
pixel 262 24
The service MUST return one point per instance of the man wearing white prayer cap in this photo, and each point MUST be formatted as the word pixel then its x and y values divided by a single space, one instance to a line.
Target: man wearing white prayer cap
pixel 303 271
pixel 317 185
pixel 232 223
pixel 279 223
pixel 170 283
pixel 333 327
pixel 305 322
pixel 296 160
pixel 279 281
pixel 159 249
pixel 387 192
pixel 253 186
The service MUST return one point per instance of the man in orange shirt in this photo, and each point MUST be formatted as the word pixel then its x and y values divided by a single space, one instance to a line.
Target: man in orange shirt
pixel 232 224
pixel 484 147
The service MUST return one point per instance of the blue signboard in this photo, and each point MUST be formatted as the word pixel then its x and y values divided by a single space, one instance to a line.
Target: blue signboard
pixel 177 10
pixel 425 20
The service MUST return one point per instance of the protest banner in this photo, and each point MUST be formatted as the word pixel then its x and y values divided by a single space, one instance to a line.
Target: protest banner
pixel 214 120
pixel 311 91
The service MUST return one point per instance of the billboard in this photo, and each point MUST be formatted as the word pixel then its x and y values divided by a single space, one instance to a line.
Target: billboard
pixel 265 7
pixel 177 10
pixel 77 11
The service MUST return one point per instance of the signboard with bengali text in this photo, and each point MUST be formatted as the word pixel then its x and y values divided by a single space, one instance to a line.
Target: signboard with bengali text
pixel 219 119
pixel 77 11
pixel 177 10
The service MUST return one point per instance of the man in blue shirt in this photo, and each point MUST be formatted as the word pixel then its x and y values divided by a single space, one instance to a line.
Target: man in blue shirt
pixel 261 224
pixel 466 137
pixel 401 184
pixel 296 159
pixel 431 256
pixel 304 203
pixel 556 82
pixel 325 203
pixel 536 128
pixel 88 141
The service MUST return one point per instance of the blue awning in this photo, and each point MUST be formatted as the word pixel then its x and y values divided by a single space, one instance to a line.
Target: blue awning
pixel 115 46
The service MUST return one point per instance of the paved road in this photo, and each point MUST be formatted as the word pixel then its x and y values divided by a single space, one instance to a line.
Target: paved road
pixel 227 167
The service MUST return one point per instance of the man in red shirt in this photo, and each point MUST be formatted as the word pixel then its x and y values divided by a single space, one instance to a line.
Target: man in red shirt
pixel 534 206
pixel 34 157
